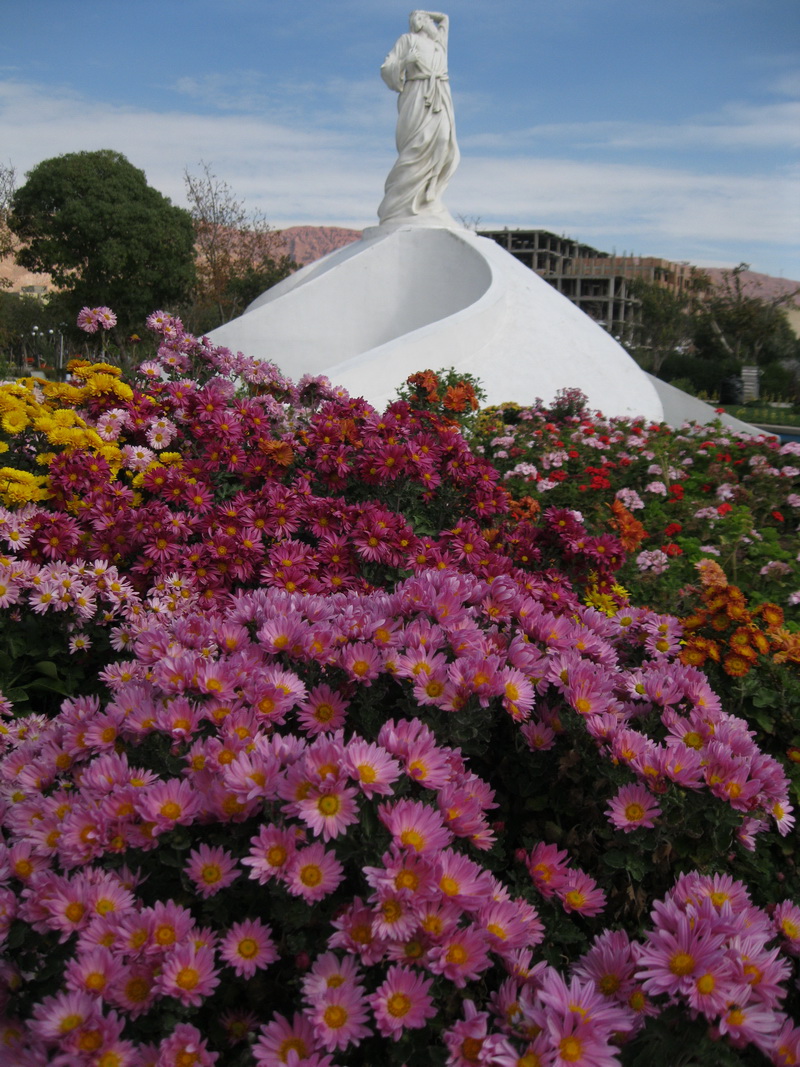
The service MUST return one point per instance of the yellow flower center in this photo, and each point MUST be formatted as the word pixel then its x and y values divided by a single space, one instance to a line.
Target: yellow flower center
pixel 398 1005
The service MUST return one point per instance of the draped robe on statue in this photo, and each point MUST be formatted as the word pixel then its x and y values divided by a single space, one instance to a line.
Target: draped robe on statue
pixel 416 68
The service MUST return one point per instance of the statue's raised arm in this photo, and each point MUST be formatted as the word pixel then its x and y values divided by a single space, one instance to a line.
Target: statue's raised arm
pixel 416 68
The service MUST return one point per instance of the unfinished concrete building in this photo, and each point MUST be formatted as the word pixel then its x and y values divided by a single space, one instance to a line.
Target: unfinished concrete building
pixel 598 282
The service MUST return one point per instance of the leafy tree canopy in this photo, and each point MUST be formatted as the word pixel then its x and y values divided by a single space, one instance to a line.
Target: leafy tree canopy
pixel 91 221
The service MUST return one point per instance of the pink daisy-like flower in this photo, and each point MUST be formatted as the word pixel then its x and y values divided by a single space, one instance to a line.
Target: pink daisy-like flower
pixel 461 879
pixel 92 971
pixel 581 893
pixel 632 807
pixel 171 803
pixel 371 767
pixel 786 918
pixel 402 1002
pixel 674 958
pixel 248 947
pixel 330 811
pixel 87 320
pixel 211 869
pixel 313 873
pixel 324 710
pixel 188 974
pixel 185 1045
pixel 466 1039
pixel 271 852
pixel 279 1039
pixel 547 867
pixel 462 955
pixel 329 972
pixel 415 826
pixel 339 1016
pixel 55 1018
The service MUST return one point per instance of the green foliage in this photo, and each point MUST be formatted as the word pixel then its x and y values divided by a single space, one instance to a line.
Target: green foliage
pixel 91 221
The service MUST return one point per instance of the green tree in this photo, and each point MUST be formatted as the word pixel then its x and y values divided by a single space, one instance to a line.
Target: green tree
pixel 91 221
pixel 239 254
pixel 735 324
pixel 665 323
pixel 8 184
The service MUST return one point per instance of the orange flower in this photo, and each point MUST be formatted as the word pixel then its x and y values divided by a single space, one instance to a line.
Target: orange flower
pixel 736 665
pixel 693 655
pixel 526 508
pixel 459 396
pixel 711 574
pixel 427 381
pixel 630 530
pixel 772 615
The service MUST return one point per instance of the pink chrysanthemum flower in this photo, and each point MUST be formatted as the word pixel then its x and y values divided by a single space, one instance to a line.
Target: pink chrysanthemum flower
pixel 339 1016
pixel 185 1045
pixel 402 1002
pixel 87 320
pixel 55 1018
pixel 211 869
pixel 280 1038
pixel 371 767
pixel 271 851
pixel 189 975
pixel 168 804
pixel 313 873
pixel 92 971
pixel 415 826
pixel 632 807
pixel 786 918
pixel 674 958
pixel 329 972
pixel 353 931
pixel 248 947
pixel 324 710
pixel 462 955
pixel 581 893
pixel 330 811
pixel 461 879
pixel 547 867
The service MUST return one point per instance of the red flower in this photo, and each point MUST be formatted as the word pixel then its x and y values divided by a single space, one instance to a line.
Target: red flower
pixel 723 509
pixel 672 528
pixel 672 549
pixel 777 516
pixel 676 491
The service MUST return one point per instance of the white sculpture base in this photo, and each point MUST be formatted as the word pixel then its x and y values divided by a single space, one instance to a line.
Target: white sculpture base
pixel 410 298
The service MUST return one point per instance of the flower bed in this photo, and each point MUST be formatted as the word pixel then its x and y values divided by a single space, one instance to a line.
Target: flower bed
pixel 320 747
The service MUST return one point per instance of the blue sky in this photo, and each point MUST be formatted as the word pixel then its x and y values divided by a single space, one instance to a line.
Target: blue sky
pixel 654 127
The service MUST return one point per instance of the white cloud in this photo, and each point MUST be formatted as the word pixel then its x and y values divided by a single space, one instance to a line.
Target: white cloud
pixel 737 126
pixel 330 168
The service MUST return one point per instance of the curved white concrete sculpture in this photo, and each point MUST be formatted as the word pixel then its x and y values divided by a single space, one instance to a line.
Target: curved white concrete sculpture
pixel 409 298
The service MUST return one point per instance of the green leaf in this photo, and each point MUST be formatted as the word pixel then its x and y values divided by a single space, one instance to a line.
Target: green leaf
pixel 48 668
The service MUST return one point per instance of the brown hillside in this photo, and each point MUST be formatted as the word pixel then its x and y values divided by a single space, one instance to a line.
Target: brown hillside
pixel 306 244
pixel 761 286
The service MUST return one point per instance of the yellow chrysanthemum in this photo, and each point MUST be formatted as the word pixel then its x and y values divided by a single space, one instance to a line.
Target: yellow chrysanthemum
pixel 15 421
pixel 170 459
pixel 105 368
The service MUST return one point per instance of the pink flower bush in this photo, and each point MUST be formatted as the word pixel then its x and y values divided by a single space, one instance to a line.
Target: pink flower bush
pixel 357 772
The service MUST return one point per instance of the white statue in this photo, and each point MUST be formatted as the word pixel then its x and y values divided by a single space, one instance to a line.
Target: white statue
pixel 416 68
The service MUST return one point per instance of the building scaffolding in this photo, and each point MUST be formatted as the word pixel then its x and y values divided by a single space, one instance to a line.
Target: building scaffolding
pixel 599 283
